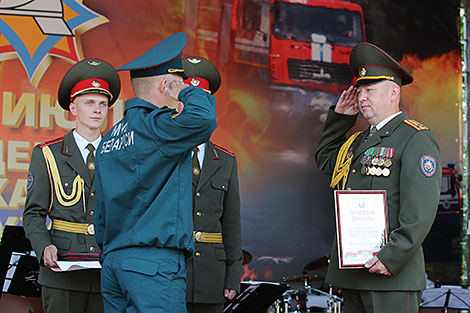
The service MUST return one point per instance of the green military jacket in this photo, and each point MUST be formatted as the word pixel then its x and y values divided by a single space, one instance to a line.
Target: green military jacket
pixel 412 197
pixel 42 201
pixel 216 209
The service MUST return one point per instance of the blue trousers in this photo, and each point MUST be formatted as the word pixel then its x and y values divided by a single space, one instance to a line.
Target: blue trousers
pixel 144 280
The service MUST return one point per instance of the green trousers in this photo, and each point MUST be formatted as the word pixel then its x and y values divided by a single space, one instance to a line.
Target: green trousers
pixel 69 301
pixel 366 301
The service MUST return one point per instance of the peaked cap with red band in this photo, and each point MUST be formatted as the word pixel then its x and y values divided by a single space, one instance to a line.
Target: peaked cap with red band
pixel 370 64
pixel 89 76
pixel 201 73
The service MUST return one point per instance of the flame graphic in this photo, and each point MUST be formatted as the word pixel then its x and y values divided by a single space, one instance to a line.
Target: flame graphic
pixel 434 99
pixel 435 90
pixel 248 274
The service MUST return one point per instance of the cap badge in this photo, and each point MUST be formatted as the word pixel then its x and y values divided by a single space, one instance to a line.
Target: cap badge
pixel 195 82
pixel 94 63
pixel 95 84
pixel 194 60
pixel 363 72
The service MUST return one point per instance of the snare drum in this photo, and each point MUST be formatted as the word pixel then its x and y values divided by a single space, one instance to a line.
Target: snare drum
pixel 294 301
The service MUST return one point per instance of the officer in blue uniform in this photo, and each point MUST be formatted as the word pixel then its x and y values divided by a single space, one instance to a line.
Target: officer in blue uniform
pixel 143 174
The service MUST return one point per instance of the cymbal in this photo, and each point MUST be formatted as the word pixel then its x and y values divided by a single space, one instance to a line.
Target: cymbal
pixel 301 278
pixel 246 257
pixel 318 264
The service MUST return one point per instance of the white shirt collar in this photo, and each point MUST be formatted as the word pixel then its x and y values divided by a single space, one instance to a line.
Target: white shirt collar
pixel 82 143
pixel 385 121
pixel 200 154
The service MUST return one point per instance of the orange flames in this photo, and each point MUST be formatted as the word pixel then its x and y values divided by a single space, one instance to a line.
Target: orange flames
pixel 434 98
pixel 248 274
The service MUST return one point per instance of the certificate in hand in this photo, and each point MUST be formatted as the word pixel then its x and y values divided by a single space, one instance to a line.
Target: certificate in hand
pixel 361 225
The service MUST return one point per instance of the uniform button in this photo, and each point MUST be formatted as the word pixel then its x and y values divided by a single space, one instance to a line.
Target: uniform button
pixel 91 229
pixel 354 171
pixel 349 188
pixel 92 195
pixel 198 194
pixel 223 186
pixel 198 213
pixel 92 249
pixel 91 213
pixel 66 184
pixel 198 236
pixel 198 254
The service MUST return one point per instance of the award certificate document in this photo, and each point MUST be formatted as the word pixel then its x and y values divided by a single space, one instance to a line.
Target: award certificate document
pixel 361 225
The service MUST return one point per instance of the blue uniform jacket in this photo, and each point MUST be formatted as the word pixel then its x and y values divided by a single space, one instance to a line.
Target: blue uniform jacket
pixel 143 174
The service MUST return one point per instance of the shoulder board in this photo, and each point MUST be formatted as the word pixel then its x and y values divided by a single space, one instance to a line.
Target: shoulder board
pixel 224 150
pixel 416 125
pixel 50 142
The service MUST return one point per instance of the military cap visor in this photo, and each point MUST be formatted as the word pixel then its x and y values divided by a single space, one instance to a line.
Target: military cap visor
pixel 163 58
pixel 93 71
pixel 201 73
pixel 370 64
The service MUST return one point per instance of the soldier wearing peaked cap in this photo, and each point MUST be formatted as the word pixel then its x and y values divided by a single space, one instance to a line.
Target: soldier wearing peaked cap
pixel 215 269
pixel 395 154
pixel 143 219
pixel 60 186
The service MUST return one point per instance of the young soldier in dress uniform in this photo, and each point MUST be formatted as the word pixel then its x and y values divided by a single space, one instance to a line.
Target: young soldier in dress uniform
pixel 144 221
pixel 214 271
pixel 60 186
pixel 396 154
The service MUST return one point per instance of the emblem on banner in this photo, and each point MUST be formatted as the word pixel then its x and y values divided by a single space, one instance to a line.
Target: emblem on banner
pixel 34 30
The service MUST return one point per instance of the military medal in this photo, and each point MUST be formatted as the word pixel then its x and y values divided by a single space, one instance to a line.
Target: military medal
pixel 388 163
pixel 378 171
pixel 364 170
pixel 375 161
pixel 385 172
pixel 381 161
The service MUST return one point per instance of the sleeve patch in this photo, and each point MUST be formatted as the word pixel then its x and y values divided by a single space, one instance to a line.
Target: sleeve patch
pixel 30 181
pixel 428 165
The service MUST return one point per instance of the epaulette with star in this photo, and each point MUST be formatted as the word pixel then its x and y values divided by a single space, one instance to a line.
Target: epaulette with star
pixel 224 150
pixel 50 142
pixel 416 125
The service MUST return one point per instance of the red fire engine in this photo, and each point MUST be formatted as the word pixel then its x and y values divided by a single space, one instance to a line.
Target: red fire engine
pixel 302 43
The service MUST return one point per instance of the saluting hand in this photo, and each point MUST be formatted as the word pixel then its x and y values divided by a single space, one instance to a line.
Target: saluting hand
pixel 50 256
pixel 347 103
pixel 174 91
pixel 376 266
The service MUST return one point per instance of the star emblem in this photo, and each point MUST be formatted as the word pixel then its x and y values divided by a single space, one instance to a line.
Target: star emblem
pixel 37 30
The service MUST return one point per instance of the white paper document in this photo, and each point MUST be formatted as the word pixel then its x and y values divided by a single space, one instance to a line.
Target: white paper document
pixel 67 266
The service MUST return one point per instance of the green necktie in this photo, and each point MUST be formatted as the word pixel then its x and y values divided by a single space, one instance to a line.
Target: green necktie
pixel 372 131
pixel 196 166
pixel 90 161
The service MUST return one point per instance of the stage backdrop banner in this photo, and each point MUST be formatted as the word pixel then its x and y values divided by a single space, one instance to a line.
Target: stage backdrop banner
pixel 283 64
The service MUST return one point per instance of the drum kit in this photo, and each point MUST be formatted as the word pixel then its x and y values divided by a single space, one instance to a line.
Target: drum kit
pixel 307 298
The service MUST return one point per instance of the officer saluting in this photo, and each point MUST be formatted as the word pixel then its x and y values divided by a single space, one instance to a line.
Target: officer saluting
pixel 144 222
pixel 395 154
pixel 215 269
pixel 60 186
